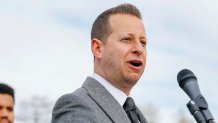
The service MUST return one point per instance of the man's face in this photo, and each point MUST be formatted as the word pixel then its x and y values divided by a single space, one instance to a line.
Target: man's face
pixel 6 108
pixel 124 53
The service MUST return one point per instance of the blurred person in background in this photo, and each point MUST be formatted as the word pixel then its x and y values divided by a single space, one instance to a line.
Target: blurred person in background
pixel 7 102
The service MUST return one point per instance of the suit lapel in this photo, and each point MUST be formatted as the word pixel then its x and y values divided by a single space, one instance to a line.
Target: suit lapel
pixel 106 101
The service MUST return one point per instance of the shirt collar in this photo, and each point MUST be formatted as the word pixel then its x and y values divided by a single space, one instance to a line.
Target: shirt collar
pixel 119 95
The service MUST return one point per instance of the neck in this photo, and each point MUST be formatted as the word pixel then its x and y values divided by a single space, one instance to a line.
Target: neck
pixel 121 86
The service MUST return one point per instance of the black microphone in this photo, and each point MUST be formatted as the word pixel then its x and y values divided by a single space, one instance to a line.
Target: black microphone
pixel 188 82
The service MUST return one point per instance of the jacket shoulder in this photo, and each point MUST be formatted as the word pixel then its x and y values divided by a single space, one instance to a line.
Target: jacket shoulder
pixel 73 108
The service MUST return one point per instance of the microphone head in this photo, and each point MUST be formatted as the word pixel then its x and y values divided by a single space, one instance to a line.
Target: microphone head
pixel 184 76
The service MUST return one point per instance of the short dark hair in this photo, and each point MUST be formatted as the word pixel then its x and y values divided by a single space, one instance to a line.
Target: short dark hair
pixel 6 89
pixel 101 27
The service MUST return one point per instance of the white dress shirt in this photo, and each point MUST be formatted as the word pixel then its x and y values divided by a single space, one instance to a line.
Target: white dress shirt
pixel 119 95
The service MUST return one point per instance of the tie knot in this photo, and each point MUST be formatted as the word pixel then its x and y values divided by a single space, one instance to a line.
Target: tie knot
pixel 129 105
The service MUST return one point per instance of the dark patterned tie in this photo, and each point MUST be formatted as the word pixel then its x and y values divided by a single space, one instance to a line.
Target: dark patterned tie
pixel 130 108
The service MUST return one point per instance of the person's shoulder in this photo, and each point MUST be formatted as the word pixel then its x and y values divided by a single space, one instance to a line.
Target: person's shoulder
pixel 74 107
pixel 74 97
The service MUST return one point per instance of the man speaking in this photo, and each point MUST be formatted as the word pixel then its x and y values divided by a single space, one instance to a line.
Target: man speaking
pixel 118 44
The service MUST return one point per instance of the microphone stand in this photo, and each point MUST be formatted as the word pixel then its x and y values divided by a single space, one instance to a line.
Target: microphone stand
pixel 200 110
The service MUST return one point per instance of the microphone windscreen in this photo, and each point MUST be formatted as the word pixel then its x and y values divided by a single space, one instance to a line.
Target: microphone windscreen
pixel 184 76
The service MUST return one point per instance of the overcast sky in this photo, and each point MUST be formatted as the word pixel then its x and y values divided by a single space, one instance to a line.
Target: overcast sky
pixel 45 47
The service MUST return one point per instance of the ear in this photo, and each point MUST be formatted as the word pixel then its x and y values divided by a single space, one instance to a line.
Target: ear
pixel 96 48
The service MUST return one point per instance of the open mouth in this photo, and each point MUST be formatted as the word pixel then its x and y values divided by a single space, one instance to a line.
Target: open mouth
pixel 135 63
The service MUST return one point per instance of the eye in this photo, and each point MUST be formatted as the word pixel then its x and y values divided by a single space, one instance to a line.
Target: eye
pixel 10 109
pixel 143 42
pixel 126 39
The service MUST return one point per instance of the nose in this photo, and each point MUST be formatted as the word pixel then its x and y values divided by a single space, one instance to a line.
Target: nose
pixel 138 49
pixel 4 113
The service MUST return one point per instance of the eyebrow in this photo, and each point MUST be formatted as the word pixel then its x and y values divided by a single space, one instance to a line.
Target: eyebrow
pixel 141 37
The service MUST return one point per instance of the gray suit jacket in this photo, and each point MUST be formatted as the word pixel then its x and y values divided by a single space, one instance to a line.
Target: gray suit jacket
pixel 91 103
